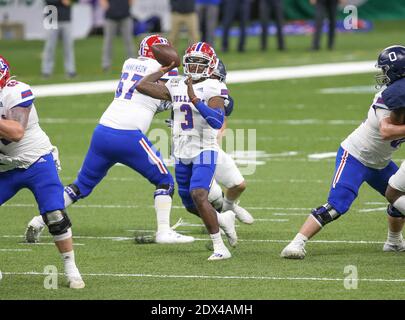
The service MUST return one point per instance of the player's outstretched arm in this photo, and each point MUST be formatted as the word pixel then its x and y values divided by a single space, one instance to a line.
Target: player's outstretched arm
pixel 149 87
pixel 13 128
pixel 392 127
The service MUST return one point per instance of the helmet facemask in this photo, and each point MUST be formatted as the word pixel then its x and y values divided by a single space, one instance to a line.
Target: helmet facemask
pixel 198 66
pixel 382 79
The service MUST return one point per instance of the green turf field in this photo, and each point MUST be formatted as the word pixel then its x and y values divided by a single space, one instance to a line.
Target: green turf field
pixel 280 195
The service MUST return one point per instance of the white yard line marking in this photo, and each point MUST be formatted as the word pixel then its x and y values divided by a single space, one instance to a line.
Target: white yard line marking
pixel 241 76
pixel 290 122
pixel 45 243
pixel 190 276
pixel 350 90
pixel 272 220
pixel 118 206
pixel 375 203
pixel 15 250
pixel 323 155
pixel 119 238
pixel 373 209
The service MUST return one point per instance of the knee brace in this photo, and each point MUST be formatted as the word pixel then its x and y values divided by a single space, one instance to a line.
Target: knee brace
pixel 394 212
pixel 73 192
pixel 57 221
pixel 164 190
pixel 325 214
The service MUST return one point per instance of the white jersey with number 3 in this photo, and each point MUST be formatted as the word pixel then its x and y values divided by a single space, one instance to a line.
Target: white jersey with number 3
pixel 131 110
pixel 366 144
pixel 191 132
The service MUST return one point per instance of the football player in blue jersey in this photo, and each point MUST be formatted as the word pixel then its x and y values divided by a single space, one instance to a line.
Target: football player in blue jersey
pixel 392 63
pixel 365 156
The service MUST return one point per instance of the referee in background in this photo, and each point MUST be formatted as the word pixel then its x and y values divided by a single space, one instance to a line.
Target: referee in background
pixel 117 15
pixel 64 29
pixel 322 7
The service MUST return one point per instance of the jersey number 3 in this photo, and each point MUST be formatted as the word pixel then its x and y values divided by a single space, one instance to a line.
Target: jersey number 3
pixel 135 79
pixel 188 117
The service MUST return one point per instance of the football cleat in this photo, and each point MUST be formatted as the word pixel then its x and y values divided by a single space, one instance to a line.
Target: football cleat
pixel 168 237
pixel 226 221
pixel 220 255
pixel 76 282
pixel 34 230
pixel 242 214
pixel 394 247
pixel 294 250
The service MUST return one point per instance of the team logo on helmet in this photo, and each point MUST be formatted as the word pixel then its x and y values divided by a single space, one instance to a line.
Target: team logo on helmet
pixel 145 48
pixel 200 60
pixel 4 72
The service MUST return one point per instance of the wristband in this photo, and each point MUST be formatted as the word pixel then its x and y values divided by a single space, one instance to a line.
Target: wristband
pixel 195 100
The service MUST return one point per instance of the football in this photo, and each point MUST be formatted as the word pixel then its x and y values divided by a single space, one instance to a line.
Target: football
pixel 165 54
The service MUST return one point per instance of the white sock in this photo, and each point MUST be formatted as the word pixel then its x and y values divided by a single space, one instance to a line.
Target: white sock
pixel 70 264
pixel 228 204
pixel 68 199
pixel 300 238
pixel 394 237
pixel 163 205
pixel 37 222
pixel 217 241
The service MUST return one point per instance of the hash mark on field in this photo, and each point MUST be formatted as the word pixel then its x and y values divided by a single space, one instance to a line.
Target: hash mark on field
pixel 231 277
pixel 273 220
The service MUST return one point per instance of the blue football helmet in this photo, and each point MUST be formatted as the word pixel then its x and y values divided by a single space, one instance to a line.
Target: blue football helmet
pixel 391 61
pixel 220 71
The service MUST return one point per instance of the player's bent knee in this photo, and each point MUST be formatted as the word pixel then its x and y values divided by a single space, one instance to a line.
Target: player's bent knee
pixel 199 195
pixel 74 192
pixel 325 214
pixel 241 187
pixel 392 194
pixel 58 223
pixel 164 190
pixel 394 212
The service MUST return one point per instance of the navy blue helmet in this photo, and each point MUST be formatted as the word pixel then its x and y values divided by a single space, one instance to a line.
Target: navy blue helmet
pixel 391 61
pixel 220 71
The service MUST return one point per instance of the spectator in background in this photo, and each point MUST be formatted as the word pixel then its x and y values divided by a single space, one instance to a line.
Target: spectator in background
pixel 268 8
pixel 117 15
pixel 231 8
pixel 330 7
pixel 208 13
pixel 184 14
pixel 65 30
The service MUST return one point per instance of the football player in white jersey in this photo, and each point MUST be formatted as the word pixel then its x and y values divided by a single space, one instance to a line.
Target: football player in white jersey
pixel 26 161
pixel 227 173
pixel 198 108
pixel 120 138
pixel 364 156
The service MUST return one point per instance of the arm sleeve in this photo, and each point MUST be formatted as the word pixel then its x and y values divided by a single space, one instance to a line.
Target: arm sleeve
pixel 394 95
pixel 228 106
pixel 214 117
